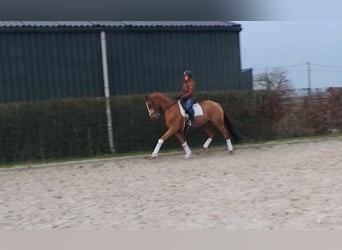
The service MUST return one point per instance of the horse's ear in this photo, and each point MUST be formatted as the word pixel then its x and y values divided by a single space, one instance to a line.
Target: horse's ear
pixel 147 97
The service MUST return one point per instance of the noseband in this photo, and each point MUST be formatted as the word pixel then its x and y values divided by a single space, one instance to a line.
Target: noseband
pixel 152 112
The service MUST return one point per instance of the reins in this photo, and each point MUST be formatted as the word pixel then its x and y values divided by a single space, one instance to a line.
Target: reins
pixel 167 107
pixel 157 109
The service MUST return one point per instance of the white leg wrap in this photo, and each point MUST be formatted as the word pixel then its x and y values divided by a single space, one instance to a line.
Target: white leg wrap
pixel 229 145
pixel 157 148
pixel 187 150
pixel 207 142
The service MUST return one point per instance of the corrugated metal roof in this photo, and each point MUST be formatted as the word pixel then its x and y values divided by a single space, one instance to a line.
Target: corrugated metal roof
pixel 133 25
pixel 12 24
pixel 181 23
pixel 116 23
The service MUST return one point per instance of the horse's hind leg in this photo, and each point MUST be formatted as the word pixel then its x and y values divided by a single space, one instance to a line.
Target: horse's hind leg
pixel 216 115
pixel 211 134
pixel 225 134
pixel 184 145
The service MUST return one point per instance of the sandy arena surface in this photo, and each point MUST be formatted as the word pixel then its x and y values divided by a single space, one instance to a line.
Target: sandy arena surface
pixel 284 186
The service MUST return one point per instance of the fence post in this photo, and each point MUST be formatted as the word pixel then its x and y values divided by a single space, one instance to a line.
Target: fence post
pixel 107 91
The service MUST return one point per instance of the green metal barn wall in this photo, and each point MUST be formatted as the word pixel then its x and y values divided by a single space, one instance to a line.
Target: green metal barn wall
pixel 36 66
pixel 45 65
pixel 154 61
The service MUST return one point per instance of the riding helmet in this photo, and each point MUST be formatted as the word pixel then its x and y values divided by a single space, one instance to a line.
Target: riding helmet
pixel 187 73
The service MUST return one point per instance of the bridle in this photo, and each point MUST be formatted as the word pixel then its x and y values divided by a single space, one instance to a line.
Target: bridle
pixel 152 112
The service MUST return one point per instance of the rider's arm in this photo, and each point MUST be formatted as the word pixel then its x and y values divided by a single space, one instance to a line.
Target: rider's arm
pixel 188 91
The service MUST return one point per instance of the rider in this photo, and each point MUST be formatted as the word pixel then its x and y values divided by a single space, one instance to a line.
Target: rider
pixel 188 95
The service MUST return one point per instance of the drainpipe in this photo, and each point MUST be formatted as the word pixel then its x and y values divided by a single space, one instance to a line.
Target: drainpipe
pixel 107 91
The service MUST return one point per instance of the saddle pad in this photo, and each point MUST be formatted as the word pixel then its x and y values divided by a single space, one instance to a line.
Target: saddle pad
pixel 197 109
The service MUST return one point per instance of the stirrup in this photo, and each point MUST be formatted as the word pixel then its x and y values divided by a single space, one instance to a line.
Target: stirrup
pixel 190 123
pixel 187 125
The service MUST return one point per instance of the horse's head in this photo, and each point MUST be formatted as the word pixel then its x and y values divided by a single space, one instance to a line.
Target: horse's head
pixel 152 108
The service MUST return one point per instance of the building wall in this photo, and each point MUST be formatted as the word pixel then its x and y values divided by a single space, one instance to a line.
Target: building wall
pixel 247 79
pixel 36 66
pixel 45 65
pixel 155 61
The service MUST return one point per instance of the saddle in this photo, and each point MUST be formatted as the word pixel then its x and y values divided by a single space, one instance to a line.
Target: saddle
pixel 198 111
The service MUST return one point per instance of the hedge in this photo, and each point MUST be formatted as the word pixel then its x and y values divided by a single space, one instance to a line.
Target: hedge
pixel 68 128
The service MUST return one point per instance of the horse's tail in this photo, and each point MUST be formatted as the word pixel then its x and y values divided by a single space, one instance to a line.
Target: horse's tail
pixel 231 129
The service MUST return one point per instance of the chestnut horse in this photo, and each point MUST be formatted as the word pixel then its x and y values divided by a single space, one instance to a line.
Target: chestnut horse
pixel 213 114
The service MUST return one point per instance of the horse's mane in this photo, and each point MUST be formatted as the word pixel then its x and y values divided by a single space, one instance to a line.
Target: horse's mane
pixel 160 96
pixel 162 100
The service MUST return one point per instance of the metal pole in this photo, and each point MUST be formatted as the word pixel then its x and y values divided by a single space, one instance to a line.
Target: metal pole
pixel 309 78
pixel 107 91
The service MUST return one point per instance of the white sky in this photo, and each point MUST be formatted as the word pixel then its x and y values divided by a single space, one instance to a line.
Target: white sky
pixel 291 44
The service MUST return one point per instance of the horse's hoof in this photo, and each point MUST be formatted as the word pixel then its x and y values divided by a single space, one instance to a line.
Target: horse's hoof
pixel 154 156
pixel 230 152
pixel 187 156
pixel 204 152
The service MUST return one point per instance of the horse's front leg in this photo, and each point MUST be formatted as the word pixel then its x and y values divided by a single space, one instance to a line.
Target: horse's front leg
pixel 184 145
pixel 161 140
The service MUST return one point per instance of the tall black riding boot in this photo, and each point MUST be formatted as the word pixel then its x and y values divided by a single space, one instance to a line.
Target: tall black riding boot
pixel 193 121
